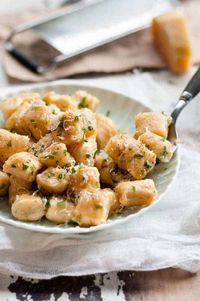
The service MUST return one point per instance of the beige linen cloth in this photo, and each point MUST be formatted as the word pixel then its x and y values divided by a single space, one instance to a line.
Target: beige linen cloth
pixel 136 50
pixel 167 235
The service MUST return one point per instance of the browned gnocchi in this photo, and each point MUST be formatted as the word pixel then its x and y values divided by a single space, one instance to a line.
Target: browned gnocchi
pixel 63 102
pixel 136 193
pixel 56 154
pixel 157 123
pixel 62 161
pixel 18 186
pixel 84 152
pixel 28 208
pixel 105 130
pixel 161 147
pixel 53 180
pixel 93 208
pixel 78 126
pixel 4 183
pixel 60 210
pixel 86 100
pixel 23 165
pixel 131 155
pixel 11 143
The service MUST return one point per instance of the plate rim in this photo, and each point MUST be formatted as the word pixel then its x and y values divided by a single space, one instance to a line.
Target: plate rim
pixel 81 230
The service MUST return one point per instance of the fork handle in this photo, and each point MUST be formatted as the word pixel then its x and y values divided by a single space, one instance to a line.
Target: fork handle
pixel 190 91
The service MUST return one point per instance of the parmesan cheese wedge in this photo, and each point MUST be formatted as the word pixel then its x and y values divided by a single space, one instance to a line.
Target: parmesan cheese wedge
pixel 171 36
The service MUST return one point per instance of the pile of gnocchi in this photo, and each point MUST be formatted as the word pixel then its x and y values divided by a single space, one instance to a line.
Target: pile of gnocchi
pixel 62 161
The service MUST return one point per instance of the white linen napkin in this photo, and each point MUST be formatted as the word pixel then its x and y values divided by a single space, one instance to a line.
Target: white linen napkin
pixel 168 235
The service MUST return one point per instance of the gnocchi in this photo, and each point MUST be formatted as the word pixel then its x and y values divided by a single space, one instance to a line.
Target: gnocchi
pixel 53 180
pixel 15 123
pixel 4 183
pixel 78 126
pixel 64 162
pixel 11 104
pixel 60 210
pixel 56 155
pixel 105 130
pixel 136 193
pixel 161 147
pixel 93 208
pixel 157 123
pixel 38 147
pixel 18 186
pixel 131 155
pixel 23 165
pixel 28 208
pixel 41 119
pixel 110 173
pixel 86 100
pixel 84 152
pixel 11 143
pixel 63 102
pixel 84 178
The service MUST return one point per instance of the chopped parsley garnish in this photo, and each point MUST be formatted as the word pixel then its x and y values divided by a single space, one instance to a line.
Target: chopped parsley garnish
pixel 25 166
pixel 83 103
pixel 147 164
pixel 90 128
pixel 49 156
pixel 61 176
pixel 84 136
pixel 72 170
pixel 76 118
pixel 65 152
pixel 9 143
pixel 108 113
pixel 164 153
pixel 133 188
pixel 35 152
pixel 67 165
pixel 61 203
pixel 97 184
pixel 98 206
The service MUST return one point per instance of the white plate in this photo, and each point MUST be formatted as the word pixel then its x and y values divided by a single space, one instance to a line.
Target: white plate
pixel 123 109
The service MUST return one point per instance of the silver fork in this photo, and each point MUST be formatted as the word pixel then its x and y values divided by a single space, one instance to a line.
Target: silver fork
pixel 190 91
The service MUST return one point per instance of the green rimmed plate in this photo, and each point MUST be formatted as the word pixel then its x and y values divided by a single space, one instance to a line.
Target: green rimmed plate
pixel 122 110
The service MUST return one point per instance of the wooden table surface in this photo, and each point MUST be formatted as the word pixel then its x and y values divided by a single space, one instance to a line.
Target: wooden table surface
pixel 163 285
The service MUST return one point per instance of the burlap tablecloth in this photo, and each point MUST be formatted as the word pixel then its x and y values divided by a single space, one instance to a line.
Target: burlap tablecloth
pixel 136 50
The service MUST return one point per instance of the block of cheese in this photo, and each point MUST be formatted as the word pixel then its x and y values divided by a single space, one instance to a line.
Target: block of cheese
pixel 171 36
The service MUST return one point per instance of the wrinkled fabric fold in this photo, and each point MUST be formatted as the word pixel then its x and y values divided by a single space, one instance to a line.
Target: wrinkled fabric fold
pixel 134 51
